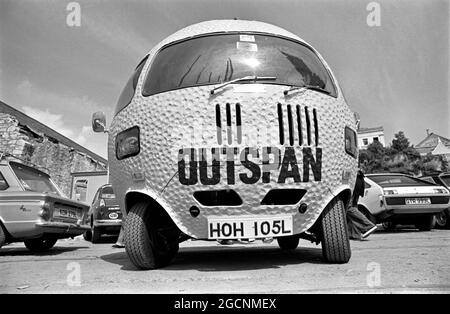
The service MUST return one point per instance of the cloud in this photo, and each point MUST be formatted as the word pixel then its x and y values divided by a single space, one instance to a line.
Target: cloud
pixel 52 120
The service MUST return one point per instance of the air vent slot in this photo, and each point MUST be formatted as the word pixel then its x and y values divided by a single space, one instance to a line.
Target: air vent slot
pixel 218 198
pixel 302 123
pixel 229 124
pixel 283 197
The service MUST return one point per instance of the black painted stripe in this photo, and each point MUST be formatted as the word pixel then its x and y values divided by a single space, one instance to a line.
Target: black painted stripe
pixel 229 131
pixel 239 123
pixel 218 125
pixel 316 127
pixel 280 124
pixel 308 126
pixel 299 125
pixel 291 126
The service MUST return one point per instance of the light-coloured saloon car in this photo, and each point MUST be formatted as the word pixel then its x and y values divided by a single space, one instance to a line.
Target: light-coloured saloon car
pixel 33 209
pixel 394 199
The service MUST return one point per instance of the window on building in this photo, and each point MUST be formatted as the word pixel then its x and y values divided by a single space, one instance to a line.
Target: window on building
pixel 365 141
pixel 81 190
pixel 3 184
pixel 375 139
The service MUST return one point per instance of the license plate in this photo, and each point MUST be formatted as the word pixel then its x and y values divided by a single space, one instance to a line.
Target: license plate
pixel 68 213
pixel 418 201
pixel 249 227
pixel 113 216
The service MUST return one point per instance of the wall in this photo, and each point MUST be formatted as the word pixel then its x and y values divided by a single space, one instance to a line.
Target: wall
pixel 58 159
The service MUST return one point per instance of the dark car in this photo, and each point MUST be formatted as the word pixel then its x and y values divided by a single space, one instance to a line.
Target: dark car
pixel 443 179
pixel 105 214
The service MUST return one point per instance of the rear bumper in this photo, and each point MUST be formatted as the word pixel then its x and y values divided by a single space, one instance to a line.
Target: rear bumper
pixel 417 210
pixel 62 228
pixel 107 222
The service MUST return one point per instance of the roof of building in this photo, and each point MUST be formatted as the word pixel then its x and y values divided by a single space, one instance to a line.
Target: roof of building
pixel 49 132
pixel 370 130
pixel 428 144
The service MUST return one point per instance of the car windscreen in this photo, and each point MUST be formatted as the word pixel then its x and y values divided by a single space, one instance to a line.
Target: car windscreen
pixel 391 181
pixel 34 180
pixel 108 193
pixel 219 58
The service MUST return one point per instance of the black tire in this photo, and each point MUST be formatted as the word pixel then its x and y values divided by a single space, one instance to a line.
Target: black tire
pixel 443 219
pixel 40 244
pixel 2 236
pixel 334 233
pixel 87 235
pixel 145 242
pixel 389 225
pixel 425 223
pixel 288 243
pixel 96 234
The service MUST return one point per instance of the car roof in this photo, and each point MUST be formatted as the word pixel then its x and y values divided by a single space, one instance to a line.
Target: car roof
pixel 225 26
pixel 386 174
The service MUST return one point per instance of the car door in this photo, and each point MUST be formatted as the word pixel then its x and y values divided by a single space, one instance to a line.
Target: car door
pixel 371 198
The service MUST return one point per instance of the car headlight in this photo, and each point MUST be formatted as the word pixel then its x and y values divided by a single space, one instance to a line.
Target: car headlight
pixel 128 143
pixel 389 192
pixel 440 191
pixel 351 146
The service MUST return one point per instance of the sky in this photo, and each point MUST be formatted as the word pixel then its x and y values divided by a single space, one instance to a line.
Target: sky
pixel 394 74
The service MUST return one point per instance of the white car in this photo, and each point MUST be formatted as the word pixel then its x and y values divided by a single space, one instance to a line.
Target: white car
pixel 394 199
pixel 231 130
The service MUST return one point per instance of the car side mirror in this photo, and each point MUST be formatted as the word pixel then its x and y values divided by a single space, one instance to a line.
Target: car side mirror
pixel 99 122
pixel 357 119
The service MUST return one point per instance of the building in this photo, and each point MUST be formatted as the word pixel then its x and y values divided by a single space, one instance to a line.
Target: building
pixel 434 144
pixel 32 141
pixel 367 136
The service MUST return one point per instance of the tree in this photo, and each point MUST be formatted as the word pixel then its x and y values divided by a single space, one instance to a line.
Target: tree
pixel 400 143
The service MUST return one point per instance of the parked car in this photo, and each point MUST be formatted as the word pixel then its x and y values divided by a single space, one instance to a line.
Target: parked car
pixel 33 209
pixel 443 179
pixel 104 215
pixel 394 199
pixel 232 129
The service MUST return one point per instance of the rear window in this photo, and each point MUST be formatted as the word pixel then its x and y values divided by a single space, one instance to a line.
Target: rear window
pixel 34 180
pixel 390 181
pixel 108 193
pixel 446 180
pixel 220 58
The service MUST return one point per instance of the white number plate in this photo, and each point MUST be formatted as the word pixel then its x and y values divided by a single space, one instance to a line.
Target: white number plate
pixel 249 227
pixel 418 201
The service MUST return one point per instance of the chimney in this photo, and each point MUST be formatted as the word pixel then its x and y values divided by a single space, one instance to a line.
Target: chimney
pixel 428 132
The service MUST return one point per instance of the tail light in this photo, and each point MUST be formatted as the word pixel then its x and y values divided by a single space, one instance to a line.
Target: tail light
pixel 102 203
pixel 45 212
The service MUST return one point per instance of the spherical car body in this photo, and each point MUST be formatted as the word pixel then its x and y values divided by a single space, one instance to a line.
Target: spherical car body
pixel 33 209
pixel 402 199
pixel 105 214
pixel 232 129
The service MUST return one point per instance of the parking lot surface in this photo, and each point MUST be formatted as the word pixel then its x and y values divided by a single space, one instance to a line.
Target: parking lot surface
pixel 388 262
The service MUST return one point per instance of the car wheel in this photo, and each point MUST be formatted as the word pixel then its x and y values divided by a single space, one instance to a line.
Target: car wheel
pixel 145 241
pixel 288 243
pixel 425 223
pixel 442 219
pixel 389 225
pixel 2 236
pixel 96 234
pixel 334 234
pixel 87 235
pixel 40 245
